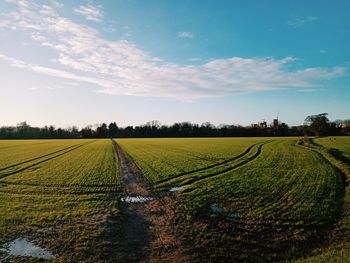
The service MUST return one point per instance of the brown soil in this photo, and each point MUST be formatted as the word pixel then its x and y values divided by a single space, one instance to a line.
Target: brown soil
pixel 148 234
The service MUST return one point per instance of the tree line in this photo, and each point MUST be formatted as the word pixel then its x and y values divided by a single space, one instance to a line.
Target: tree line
pixel 318 125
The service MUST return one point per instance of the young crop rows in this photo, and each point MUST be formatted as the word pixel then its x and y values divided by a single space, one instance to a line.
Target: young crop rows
pixel 57 190
pixel 226 199
pixel 268 199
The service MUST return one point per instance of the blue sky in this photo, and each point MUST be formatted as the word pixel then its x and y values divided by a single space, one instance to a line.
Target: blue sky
pixel 235 62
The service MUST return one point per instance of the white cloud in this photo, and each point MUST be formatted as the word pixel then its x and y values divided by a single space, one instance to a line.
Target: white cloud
pixel 32 88
pixel 75 84
pixel 17 63
pixel 56 3
pixel 299 22
pixel 185 34
pixel 90 12
pixel 122 68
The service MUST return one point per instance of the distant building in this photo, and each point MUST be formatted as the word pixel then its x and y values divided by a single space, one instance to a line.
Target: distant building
pixel 274 124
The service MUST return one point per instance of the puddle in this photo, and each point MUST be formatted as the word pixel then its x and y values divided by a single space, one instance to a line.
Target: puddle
pixel 24 248
pixel 177 188
pixel 136 199
pixel 215 208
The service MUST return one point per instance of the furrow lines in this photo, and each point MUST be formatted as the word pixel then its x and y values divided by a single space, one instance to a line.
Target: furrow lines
pixel 42 161
pixel 39 157
pixel 208 167
pixel 194 179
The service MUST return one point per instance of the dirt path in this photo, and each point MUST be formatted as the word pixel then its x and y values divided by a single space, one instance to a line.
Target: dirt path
pixel 149 234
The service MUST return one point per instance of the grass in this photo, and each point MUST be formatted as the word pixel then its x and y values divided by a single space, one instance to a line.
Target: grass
pixel 58 193
pixel 257 199
pixel 337 151
pixel 244 199
pixel 340 143
pixel 160 159
pixel 18 153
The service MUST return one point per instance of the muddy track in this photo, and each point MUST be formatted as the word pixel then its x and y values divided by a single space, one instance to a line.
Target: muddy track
pixel 148 228
pixel 223 171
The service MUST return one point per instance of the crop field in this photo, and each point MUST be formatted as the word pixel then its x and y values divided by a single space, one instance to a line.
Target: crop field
pixel 224 199
pixel 342 144
pixel 55 191
pixel 245 199
pixel 162 158
pixel 337 149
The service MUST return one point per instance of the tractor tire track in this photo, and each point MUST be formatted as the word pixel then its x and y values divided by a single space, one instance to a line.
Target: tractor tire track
pixel 37 158
pixel 5 183
pixel 4 175
pixel 223 171
pixel 208 167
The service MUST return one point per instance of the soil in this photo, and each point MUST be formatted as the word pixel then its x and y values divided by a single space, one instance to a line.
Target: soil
pixel 148 231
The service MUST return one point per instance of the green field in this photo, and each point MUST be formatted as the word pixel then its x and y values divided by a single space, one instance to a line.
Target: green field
pixel 340 143
pixel 55 191
pixel 162 158
pixel 247 204
pixel 239 199
pixel 337 150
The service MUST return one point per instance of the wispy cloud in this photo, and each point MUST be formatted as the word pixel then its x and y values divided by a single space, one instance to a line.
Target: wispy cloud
pixel 90 12
pixel 185 34
pixel 122 68
pixel 32 88
pixel 299 22
pixel 17 63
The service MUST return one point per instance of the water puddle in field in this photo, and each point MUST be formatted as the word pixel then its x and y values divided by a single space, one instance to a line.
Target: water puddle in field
pixel 136 199
pixel 215 208
pixel 177 188
pixel 21 247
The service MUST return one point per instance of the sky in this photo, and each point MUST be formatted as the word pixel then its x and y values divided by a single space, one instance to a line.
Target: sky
pixel 69 63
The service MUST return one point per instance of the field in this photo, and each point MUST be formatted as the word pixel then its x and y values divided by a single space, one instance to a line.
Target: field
pixel 224 199
pixel 161 158
pixel 337 150
pixel 259 199
pixel 54 191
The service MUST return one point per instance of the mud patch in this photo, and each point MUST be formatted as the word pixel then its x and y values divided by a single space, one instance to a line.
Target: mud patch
pixel 177 188
pixel 21 247
pixel 149 231
pixel 136 199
